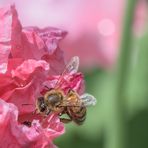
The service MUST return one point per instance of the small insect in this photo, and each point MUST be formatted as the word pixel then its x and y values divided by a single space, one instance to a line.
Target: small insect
pixel 27 123
pixel 70 104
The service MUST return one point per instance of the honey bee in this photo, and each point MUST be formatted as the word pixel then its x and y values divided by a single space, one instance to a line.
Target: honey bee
pixel 71 104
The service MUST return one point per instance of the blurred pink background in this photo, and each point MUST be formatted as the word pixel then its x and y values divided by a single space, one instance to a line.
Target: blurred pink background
pixel 93 25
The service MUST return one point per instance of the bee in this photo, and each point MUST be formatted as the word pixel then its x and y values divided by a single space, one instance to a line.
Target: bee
pixel 71 104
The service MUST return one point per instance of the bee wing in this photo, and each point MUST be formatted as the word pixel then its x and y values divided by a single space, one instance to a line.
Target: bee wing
pixel 85 100
pixel 88 99
pixel 71 67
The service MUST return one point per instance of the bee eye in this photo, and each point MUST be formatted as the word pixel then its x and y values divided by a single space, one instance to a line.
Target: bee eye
pixel 42 107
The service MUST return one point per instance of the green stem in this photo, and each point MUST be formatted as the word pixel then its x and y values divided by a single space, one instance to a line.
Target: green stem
pixel 125 50
pixel 123 72
pixel 116 132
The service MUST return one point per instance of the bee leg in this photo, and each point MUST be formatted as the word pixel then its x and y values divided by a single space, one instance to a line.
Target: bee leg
pixel 43 119
pixel 48 111
pixel 65 120
pixel 70 91
pixel 35 111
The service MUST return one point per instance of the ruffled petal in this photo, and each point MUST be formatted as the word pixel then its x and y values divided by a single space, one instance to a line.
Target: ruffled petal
pixel 48 41
pixel 18 135
pixel 29 42
pixel 9 28
pixel 28 67
pixel 49 35
pixel 69 81
pixel 25 84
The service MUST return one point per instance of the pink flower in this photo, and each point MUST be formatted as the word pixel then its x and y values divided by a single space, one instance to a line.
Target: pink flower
pixel 93 26
pixel 16 135
pixel 29 58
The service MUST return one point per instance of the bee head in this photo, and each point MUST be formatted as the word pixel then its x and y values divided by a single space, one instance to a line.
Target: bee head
pixel 41 104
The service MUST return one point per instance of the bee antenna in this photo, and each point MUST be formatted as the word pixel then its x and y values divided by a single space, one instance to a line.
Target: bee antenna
pixel 27 104
pixel 48 87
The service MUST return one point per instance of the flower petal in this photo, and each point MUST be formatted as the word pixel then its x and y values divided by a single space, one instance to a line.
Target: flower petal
pixel 48 41
pixel 25 85
pixel 19 135
pixel 27 67
pixel 49 35
pixel 9 26
pixel 70 81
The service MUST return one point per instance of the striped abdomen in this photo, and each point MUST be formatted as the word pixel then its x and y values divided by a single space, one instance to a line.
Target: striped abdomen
pixel 77 114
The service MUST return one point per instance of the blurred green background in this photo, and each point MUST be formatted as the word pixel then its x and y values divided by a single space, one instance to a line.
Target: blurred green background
pixel 120 117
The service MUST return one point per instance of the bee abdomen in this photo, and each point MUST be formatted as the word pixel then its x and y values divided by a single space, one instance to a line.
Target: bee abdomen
pixel 77 114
